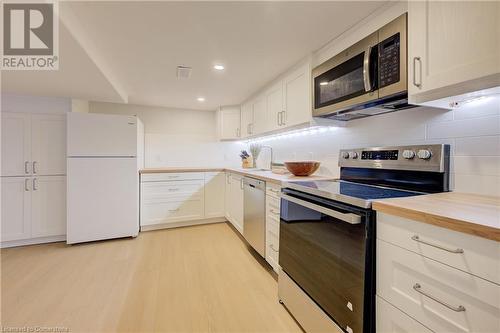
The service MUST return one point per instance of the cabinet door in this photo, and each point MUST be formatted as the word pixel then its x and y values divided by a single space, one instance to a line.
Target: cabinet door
pixel 48 144
pixel 246 120
pixel 230 123
pixel 227 197
pixel 16 208
pixel 48 206
pixel 16 144
pixel 237 202
pixel 392 320
pixel 297 97
pixel 215 183
pixel 259 115
pixel 451 42
pixel 274 104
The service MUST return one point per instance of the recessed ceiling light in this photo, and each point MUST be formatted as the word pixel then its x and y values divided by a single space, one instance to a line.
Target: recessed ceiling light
pixel 324 83
pixel 201 99
pixel 219 67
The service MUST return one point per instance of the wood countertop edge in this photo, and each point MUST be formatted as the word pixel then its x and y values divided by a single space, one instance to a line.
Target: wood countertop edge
pixel 467 227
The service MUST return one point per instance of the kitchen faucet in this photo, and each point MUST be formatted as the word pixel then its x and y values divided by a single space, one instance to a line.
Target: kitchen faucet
pixel 271 162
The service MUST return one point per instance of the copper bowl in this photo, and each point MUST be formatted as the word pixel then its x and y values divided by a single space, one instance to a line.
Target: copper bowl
pixel 302 168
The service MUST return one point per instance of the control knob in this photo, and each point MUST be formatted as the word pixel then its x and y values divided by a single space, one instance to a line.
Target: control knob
pixel 424 154
pixel 353 154
pixel 408 154
pixel 345 155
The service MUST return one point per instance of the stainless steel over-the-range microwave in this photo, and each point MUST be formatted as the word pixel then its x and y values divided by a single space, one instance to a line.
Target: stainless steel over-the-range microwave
pixel 368 78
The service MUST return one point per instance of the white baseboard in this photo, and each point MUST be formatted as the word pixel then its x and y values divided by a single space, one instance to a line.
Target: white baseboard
pixel 33 241
pixel 182 224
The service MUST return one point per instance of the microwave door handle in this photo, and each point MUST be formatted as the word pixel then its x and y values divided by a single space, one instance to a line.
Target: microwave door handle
pixel 366 70
pixel 346 217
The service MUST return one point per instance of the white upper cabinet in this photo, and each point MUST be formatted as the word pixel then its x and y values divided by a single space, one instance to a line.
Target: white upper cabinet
pixel 229 123
pixel 453 48
pixel 48 145
pixel 16 144
pixel 246 120
pixel 297 97
pixel 274 105
pixel 259 115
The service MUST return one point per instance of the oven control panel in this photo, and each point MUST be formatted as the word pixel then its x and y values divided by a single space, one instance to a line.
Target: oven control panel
pixel 417 157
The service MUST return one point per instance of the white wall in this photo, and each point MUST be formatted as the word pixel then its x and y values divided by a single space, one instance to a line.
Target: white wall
pixel 35 104
pixel 176 137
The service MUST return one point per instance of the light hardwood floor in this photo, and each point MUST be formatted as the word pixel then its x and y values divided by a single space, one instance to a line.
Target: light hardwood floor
pixel 193 279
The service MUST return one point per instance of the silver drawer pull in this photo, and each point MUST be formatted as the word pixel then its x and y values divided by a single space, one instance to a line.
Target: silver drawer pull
pixel 346 217
pixel 26 184
pixel 418 288
pixel 34 168
pixel 274 212
pixel 173 189
pixel 170 177
pixel 417 239
pixel 272 248
pixel 26 167
pixel 173 210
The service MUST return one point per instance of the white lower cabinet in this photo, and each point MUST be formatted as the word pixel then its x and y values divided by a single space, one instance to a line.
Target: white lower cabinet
pixel 33 208
pixel 392 320
pixel 272 225
pixel 214 194
pixel 234 200
pixel 433 276
pixel 173 199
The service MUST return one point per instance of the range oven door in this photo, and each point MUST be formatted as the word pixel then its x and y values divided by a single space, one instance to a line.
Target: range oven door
pixel 327 248
pixel 348 79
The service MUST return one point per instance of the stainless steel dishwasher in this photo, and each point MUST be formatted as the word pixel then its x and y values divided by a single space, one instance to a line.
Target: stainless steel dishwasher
pixel 254 214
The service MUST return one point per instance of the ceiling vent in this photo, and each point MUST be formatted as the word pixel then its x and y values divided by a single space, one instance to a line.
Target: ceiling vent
pixel 183 72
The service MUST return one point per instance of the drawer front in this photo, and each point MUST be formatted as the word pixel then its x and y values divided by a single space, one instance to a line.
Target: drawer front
pixel 273 190
pixel 163 191
pixel 479 256
pixel 272 250
pixel 169 176
pixel 273 203
pixel 172 211
pixel 392 320
pixel 273 224
pixel 421 287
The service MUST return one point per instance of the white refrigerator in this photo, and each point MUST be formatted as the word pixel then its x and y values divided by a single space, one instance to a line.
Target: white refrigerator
pixel 104 155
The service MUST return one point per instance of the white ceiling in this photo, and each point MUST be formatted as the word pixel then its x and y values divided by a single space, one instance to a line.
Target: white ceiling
pixel 128 51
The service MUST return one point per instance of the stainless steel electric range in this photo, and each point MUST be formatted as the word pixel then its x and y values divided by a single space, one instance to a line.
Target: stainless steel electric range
pixel 327 232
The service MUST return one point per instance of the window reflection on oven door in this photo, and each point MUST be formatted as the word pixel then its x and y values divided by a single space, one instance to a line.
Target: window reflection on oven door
pixel 324 251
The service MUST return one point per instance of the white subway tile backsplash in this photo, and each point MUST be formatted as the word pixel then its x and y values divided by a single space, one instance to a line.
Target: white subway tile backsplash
pixel 464 128
pixel 478 146
pixel 477 165
pixel 487 185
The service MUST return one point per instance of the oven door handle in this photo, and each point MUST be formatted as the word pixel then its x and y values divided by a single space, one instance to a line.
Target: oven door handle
pixel 346 217
pixel 366 69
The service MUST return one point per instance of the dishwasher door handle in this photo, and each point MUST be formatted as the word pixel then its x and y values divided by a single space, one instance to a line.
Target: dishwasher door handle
pixel 346 217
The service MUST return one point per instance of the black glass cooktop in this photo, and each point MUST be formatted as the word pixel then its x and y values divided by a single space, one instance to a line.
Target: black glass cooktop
pixel 353 193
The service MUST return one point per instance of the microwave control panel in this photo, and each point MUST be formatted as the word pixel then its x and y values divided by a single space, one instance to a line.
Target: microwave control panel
pixel 389 58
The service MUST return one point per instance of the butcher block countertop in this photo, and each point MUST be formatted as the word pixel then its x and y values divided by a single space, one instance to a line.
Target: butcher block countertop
pixel 473 214
pixel 259 174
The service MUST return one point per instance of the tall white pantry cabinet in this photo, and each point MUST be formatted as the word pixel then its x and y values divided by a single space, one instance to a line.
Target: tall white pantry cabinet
pixel 33 178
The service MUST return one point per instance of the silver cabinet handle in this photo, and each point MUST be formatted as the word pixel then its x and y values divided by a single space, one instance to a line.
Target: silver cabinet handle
pixel 26 184
pixel 26 167
pixel 35 186
pixel 346 217
pixel 229 179
pixel 173 189
pixel 248 129
pixel 172 177
pixel 34 166
pixel 272 248
pixel 417 239
pixel 366 70
pixel 173 210
pixel 251 128
pixel 241 183
pixel 274 212
pixel 278 118
pixel 418 288
pixel 415 83
pixel 283 118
